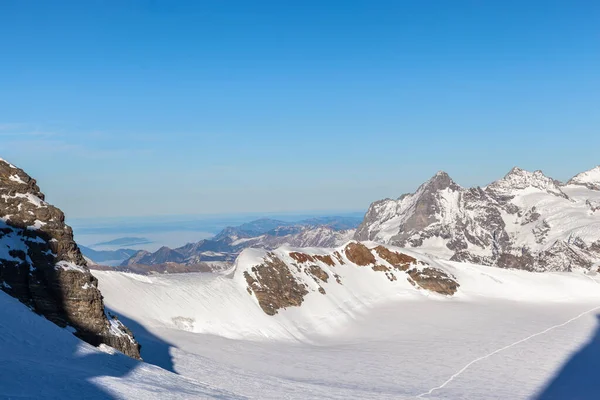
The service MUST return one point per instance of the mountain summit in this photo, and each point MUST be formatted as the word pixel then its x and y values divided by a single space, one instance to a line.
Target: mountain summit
pixel 520 179
pixel 590 179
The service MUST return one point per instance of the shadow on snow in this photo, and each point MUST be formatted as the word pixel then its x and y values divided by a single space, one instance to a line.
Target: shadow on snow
pixel 154 350
pixel 578 378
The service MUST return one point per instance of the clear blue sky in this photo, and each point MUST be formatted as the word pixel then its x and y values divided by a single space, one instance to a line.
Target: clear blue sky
pixel 123 108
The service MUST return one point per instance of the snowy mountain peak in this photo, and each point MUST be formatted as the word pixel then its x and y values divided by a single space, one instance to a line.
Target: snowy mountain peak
pixel 519 179
pixel 590 179
pixel 440 181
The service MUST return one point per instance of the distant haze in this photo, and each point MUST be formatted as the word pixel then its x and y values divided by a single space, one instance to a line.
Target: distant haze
pixel 151 233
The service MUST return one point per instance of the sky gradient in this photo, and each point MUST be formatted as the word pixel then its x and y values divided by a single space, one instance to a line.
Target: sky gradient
pixel 153 108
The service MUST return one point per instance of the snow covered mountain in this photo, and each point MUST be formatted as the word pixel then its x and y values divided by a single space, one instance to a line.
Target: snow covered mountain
pixel 525 220
pixel 41 265
pixel 590 179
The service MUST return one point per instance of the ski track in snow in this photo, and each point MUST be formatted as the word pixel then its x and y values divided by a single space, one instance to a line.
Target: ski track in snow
pixel 463 369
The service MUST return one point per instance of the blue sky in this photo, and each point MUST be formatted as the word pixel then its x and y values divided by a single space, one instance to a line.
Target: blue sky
pixel 156 108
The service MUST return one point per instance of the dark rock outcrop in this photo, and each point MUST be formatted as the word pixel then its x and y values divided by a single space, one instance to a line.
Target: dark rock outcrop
pixel 283 279
pixel 400 261
pixel 359 254
pixel 274 286
pixel 41 265
pixel 434 280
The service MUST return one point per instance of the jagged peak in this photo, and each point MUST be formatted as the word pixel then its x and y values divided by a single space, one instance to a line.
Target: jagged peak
pixel 518 171
pixel 515 170
pixel 440 181
pixel 518 178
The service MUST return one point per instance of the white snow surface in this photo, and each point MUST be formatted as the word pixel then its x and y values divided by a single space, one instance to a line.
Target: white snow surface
pixel 16 178
pixel 505 334
pixel 69 266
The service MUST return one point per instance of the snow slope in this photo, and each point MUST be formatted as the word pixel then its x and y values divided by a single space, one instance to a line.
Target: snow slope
pixel 504 334
pixel 39 360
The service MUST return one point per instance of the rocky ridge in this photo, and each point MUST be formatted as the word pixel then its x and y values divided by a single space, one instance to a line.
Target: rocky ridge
pixel 41 265
pixel 284 277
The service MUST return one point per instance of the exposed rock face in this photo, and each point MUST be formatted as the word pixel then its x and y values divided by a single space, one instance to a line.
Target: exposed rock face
pixel 274 285
pixel 283 278
pixel 41 265
pixel 434 280
pixel 519 221
pixel 398 260
pixel 359 254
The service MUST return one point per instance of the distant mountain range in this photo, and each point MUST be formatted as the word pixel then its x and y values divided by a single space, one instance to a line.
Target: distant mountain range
pixel 263 233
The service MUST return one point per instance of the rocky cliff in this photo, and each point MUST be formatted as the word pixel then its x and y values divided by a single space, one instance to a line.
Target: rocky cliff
pixel 41 265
